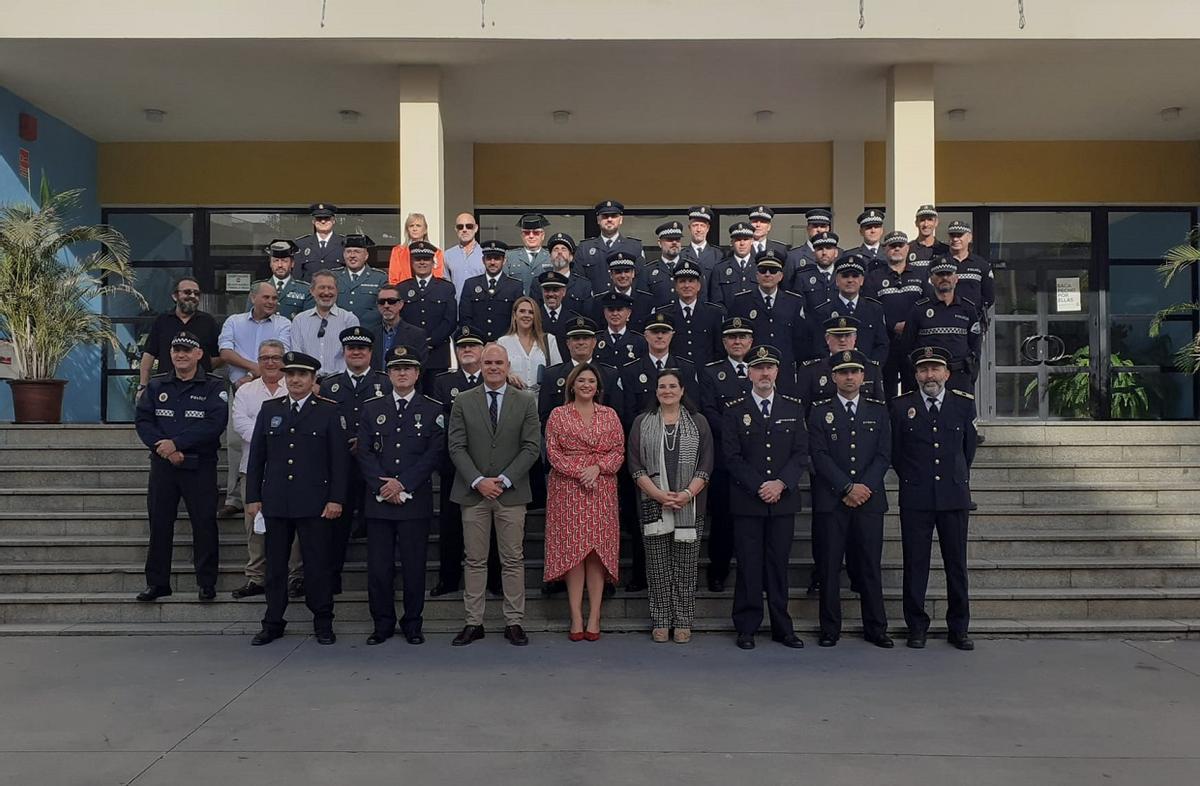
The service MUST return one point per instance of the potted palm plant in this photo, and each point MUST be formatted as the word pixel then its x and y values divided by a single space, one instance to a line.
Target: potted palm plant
pixel 1179 261
pixel 49 295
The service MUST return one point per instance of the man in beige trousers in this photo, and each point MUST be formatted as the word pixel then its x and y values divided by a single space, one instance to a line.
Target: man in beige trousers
pixel 494 439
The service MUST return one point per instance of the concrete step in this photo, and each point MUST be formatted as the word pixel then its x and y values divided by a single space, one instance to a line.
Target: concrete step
pixel 92 455
pixel 1097 433
pixel 1054 454
pixel 69 435
pixel 93 476
pixel 183 607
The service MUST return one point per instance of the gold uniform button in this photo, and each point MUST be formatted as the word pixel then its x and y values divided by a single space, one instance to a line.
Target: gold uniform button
pixel 291 444
pixel 937 477
pixel 937 461
pixel 936 445
pixel 291 461
pixel 853 472
pixel 290 477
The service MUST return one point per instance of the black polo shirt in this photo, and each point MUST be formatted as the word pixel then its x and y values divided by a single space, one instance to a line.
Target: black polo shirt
pixel 201 325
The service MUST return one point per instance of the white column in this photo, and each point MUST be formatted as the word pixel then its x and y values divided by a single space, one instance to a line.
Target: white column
pixel 849 171
pixel 910 143
pixel 422 164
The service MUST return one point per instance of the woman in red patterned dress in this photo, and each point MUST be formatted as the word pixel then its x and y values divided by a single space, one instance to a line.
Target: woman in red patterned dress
pixel 586 446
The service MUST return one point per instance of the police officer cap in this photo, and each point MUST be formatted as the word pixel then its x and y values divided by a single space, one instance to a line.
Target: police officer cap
pixel 561 239
pixel 701 213
pixel 613 299
pixel 672 230
pixel 762 213
pixel 943 265
pixel 468 335
pixel 850 263
pixel 298 361
pixel 493 248
pixel 848 359
pixel 763 353
pixel 870 218
pixel 840 325
pixel 532 221
pixel 659 321
pixel 551 279
pixel 687 268
pixel 281 249
pixel 421 249
pixel 323 210
pixel 358 241
pixel 770 257
pixel 958 228
pixel 401 356
pixel 895 238
pixel 185 338
pixel 610 207
pixel 735 326
pixel 356 337
pixel 927 211
pixel 581 326
pixel 741 229
pixel 819 215
pixel 620 259
pixel 825 240
pixel 930 355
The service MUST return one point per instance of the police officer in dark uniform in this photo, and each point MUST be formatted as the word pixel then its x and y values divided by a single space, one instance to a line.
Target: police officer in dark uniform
pixel 897 286
pixel 180 417
pixel 815 380
pixel 697 324
pixel 870 226
pixel 622 270
pixel 402 441
pixel 430 305
pixel 722 381
pixel 761 217
pixel 799 258
pixel 933 447
pixel 765 447
pixel 552 286
pixel 578 288
pixel 776 315
pixel 591 258
pixel 851 444
pixel 639 378
pixel 926 246
pixel 975 279
pixel 582 347
pixel 351 390
pixel 698 249
pixel 655 276
pixel 487 300
pixel 948 321
pixel 358 283
pixel 618 343
pixel 296 477
pixel 321 250
pixel 736 271
pixel 815 281
pixel 848 301
pixel 294 295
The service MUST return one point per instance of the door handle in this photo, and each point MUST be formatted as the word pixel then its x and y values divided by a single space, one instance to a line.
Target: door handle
pixel 1043 349
pixel 1059 350
pixel 1032 349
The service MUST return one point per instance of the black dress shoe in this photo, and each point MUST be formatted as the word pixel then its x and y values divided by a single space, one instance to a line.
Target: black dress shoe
pixel 962 642
pixel 377 638
pixel 814 585
pixel 790 640
pixel 635 586
pixel 264 637
pixel 296 588
pixel 326 637
pixel 153 593
pixel 207 593
pixel 336 587
pixel 415 638
pixel 715 585
pixel 469 634
pixel 882 640
pixel 247 590
pixel 745 641
pixel 916 642
pixel 827 641
pixel 973 506
pixel 516 635
pixel 440 590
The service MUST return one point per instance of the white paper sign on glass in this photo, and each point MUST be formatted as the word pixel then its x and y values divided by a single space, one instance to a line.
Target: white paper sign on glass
pixel 1069 297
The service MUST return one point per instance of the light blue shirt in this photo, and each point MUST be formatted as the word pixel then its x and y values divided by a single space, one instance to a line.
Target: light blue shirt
pixel 243 333
pixel 326 348
pixel 460 266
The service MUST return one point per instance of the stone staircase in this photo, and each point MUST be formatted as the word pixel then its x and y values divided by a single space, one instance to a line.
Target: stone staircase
pixel 1082 529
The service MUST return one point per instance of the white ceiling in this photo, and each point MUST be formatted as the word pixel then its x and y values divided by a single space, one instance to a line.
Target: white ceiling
pixel 620 91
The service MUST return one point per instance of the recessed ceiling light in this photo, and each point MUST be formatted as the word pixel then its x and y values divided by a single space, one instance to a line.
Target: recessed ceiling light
pixel 1170 113
pixel 154 115
pixel 561 116
pixel 957 115
pixel 349 116
pixel 763 116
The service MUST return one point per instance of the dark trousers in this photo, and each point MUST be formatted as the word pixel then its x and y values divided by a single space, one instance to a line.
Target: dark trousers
pixel 316 538
pixel 897 373
pixel 627 504
pixel 916 533
pixel 856 536
pixel 817 530
pixel 720 526
pixel 198 489
pixel 344 525
pixel 763 545
pixel 450 541
pixel 388 539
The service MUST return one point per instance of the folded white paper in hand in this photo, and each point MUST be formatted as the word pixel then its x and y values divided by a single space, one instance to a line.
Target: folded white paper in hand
pixel 260 524
pixel 404 497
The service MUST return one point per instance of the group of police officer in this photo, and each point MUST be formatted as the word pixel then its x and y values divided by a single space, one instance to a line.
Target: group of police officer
pixel 844 330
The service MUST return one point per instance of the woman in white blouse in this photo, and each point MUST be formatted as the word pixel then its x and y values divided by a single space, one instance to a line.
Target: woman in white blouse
pixel 530 351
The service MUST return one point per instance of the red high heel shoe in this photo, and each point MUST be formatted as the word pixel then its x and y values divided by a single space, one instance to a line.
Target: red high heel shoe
pixel 573 636
pixel 589 636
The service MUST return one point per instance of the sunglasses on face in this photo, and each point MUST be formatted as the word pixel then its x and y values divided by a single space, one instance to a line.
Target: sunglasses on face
pixel 464 226
pixel 531 231
pixel 388 301
pixel 767 270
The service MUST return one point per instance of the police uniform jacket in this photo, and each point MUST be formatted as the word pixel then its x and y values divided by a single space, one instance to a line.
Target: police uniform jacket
pixel 518 265
pixel 873 340
pixel 656 279
pixel 404 335
pixel 295 296
pixel 953 326
pixel 932 460
pixel 639 381
pixel 760 246
pixel 579 292
pixel 927 253
pixel 814 381
pixel 728 278
pixel 489 310
pixel 814 285
pixel 435 312
pixel 313 258
pixel 591 258
pixel 297 465
pixel 630 346
pixel 554 383
pixel 408 447
pixel 558 327
pixel 897 292
pixel 782 326
pixel 799 259
pixel 643 306
pixel 757 449
pixel 720 384
pixel 872 257
pixel 697 338
pixel 191 413
pixel 976 283
pixel 845 452
pixel 446 387
pixel 359 297
pixel 707 259
pixel 350 398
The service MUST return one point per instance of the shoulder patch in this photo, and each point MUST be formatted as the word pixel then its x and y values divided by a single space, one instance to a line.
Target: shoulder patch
pixel 963 393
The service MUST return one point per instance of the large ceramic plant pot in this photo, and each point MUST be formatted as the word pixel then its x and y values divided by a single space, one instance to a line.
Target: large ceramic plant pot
pixel 37 400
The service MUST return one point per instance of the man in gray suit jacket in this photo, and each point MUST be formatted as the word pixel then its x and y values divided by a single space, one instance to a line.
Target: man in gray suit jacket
pixel 494 439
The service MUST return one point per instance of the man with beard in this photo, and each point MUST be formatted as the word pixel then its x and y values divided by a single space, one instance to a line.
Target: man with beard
pixel 186 316
pixel 591 259
pixel 577 289
pixel 293 293
pixel 948 321
pixel 358 283
pixel 817 222
pixel 926 246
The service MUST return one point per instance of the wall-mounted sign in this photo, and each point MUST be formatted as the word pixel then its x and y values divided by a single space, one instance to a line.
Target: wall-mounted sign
pixel 237 282
pixel 1069 297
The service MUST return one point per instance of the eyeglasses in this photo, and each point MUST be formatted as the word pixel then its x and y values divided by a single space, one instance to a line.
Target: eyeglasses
pixel 270 358
pixel 324 324
pixel 768 269
pixel 531 231
pixel 187 292
pixel 944 273
pixel 388 301
pixel 464 226
pixel 322 220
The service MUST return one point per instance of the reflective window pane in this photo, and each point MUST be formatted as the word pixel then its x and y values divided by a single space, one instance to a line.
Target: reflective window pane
pixel 1130 340
pixel 1152 395
pixel 1138 289
pixel 1016 291
pixel 155 284
pixel 131 336
pixel 245 234
pixel 1016 395
pixel 156 237
pixel 1010 336
pixel 1038 236
pixel 121 404
pixel 503 226
pixel 1145 234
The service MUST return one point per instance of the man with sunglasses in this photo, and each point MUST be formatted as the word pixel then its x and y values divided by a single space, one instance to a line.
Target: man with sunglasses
pixel 185 316
pixel 948 321
pixel 315 331
pixel 321 250
pixel 358 283
pixel 848 301
pixel 293 293
pixel 392 330
pixel 529 261
pixel 463 260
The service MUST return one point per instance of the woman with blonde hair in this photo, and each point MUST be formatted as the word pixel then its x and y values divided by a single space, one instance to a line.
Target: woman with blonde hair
pixel 399 266
pixel 530 348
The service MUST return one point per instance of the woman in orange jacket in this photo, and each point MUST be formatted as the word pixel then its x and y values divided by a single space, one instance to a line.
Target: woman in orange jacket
pixel 399 269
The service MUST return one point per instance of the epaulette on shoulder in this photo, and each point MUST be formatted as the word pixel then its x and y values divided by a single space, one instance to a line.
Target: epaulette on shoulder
pixel 598 293
pixel 684 361
pixel 160 375
pixel 963 393
pixel 631 363
pixel 608 366
pixel 636 239
pixel 644 292
pixel 903 394
pixel 811 361
pixel 447 372
pixel 435 401
pixel 874 362
pixel 743 292
pixel 713 363
pixel 634 332
pixel 305 237
pixel 790 398
pixel 735 401
pixel 326 400
pixel 822 402
pixel 665 307
pixel 873 400
pixel 714 305
pixel 873 300
pixel 790 293
pixel 921 301
pixel 967 300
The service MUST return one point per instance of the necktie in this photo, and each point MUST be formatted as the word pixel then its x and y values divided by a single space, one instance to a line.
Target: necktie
pixel 401 405
pixel 659 363
pixel 766 408
pixel 471 379
pixel 687 312
pixel 295 409
pixel 323 242
pixel 355 379
pixel 421 284
pixel 608 243
pixel 353 277
pixel 554 315
pixel 849 308
pixel 933 406
pixel 491 284
pixel 278 284
pixel 741 369
pixel 494 407
pixel 615 338
pixel 850 409
pixel 768 300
